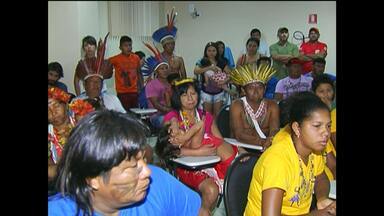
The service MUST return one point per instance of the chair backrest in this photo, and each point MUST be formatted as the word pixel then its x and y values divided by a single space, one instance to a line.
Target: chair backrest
pixel 222 121
pixel 237 182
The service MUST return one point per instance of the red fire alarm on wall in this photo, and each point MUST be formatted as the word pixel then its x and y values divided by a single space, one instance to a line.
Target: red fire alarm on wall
pixel 312 19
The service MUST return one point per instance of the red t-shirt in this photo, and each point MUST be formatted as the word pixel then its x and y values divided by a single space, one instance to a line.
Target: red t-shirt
pixel 311 48
pixel 126 68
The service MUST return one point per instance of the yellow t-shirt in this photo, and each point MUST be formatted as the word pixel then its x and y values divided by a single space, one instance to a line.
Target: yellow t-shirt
pixel 329 149
pixel 278 167
pixel 333 119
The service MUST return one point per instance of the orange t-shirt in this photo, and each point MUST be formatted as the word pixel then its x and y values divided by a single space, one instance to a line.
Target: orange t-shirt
pixel 126 68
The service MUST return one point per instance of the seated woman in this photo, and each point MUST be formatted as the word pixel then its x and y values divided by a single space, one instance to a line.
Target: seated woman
pixel 157 89
pixel 208 67
pixel 286 175
pixel 187 117
pixel 60 123
pixel 323 86
pixel 252 54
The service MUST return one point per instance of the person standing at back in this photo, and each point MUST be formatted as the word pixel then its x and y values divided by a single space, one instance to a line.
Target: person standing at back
pixel 128 79
pixel 312 49
pixel 88 64
pixel 166 37
pixel 263 46
pixel 282 52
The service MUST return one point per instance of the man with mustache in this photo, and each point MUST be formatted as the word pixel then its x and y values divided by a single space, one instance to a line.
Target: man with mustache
pixel 282 52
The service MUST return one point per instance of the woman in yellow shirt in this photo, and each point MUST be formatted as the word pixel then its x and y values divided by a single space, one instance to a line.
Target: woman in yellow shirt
pixel 287 173
pixel 324 88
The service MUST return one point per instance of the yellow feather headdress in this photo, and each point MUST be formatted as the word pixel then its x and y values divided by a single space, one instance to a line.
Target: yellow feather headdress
pixel 186 80
pixel 247 74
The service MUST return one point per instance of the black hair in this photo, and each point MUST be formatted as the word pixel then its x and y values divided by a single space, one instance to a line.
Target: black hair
pixel 322 79
pixel 204 62
pixel 173 76
pixel 56 66
pixel 263 58
pixel 95 102
pixel 182 89
pixel 253 40
pixel 254 31
pixel 99 142
pixel 220 43
pixel 211 44
pixel 301 105
pixel 89 40
pixel 140 54
pixel 164 149
pixel 124 39
pixel 319 60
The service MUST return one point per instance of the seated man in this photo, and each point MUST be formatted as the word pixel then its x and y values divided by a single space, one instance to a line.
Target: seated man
pixel 254 119
pixel 318 69
pixel 294 83
pixel 55 72
pixel 93 84
pixel 103 173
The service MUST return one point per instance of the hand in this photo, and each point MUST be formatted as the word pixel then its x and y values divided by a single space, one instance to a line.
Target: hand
pixel 207 150
pixel 266 143
pixel 324 203
pixel 243 151
pixel 215 68
pixel 330 210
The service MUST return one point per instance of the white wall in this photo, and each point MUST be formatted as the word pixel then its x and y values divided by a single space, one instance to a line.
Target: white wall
pixel 231 22
pixel 68 23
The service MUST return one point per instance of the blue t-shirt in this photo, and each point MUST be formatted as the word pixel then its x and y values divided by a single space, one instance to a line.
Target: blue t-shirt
pixel 62 86
pixel 270 88
pixel 332 77
pixel 166 196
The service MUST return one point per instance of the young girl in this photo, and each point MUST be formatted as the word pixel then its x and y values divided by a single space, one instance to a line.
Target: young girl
pixel 292 169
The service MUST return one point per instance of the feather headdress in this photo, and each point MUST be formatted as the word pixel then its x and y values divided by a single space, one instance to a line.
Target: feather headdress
pixel 99 58
pixel 167 33
pixel 246 74
pixel 152 62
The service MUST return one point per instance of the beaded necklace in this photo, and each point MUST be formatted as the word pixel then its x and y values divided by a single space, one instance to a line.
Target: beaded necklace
pixel 185 121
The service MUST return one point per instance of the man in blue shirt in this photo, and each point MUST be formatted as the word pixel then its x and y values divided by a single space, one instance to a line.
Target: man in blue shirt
pixel 319 68
pixel 55 72
pixel 102 172
pixel 271 84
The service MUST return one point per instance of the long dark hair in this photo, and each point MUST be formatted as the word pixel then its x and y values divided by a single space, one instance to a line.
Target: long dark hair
pixel 211 44
pixel 101 141
pixel 164 149
pixel 181 89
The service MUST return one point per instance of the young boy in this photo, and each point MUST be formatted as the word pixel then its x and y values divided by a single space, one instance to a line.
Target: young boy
pixel 55 72
pixel 128 79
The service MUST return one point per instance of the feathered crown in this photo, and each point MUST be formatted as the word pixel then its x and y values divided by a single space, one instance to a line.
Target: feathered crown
pixel 152 62
pixel 166 32
pixel 244 75
pixel 186 80
pixel 81 107
pixel 58 94
pixel 99 58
